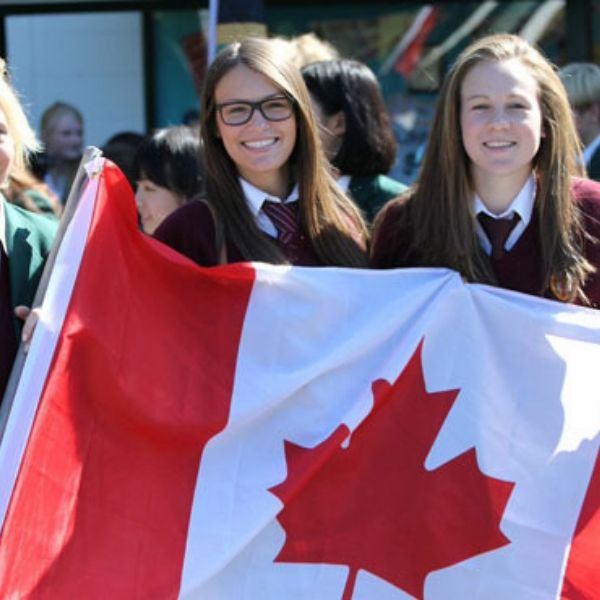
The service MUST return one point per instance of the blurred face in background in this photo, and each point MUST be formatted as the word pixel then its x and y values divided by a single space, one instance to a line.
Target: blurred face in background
pixel 7 149
pixel 587 121
pixel 65 139
pixel 331 128
pixel 155 203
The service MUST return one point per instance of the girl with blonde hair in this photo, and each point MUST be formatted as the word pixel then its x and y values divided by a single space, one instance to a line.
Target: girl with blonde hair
pixel 25 238
pixel 62 135
pixel 498 198
pixel 269 194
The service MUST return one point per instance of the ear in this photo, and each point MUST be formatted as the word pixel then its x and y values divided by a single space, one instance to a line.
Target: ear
pixel 336 123
pixel 595 110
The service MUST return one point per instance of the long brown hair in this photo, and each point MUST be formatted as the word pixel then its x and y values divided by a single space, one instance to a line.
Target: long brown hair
pixel 331 222
pixel 441 214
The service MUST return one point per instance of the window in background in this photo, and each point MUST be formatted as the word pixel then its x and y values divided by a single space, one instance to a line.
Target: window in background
pixel 91 60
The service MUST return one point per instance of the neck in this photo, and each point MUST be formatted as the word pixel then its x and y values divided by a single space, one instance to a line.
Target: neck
pixel 497 192
pixel 274 184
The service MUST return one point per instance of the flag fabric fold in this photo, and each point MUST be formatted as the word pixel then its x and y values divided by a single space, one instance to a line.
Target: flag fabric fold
pixel 254 431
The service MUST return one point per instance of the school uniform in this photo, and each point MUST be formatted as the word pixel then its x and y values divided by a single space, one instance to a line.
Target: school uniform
pixel 591 159
pixel 370 192
pixel 191 231
pixel 26 240
pixel 519 267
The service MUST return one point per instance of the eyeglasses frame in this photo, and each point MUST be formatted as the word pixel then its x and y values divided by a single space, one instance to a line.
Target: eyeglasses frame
pixel 255 106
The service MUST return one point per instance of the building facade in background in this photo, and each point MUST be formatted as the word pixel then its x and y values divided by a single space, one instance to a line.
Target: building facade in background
pixel 136 65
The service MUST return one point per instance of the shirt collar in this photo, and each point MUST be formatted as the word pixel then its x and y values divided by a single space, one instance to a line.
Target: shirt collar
pixel 522 204
pixel 344 182
pixel 255 196
pixel 590 150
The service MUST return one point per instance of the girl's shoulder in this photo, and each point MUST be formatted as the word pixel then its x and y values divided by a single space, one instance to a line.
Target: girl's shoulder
pixel 392 211
pixel 391 234
pixel 191 231
pixel 586 191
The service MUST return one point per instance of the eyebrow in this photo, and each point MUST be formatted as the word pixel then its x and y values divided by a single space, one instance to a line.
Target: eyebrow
pixel 246 100
pixel 486 96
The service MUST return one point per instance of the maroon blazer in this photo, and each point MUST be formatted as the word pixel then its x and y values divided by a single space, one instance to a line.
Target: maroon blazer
pixel 191 231
pixel 520 268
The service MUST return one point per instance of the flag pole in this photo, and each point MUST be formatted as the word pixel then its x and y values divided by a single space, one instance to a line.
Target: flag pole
pixel 79 183
pixel 213 20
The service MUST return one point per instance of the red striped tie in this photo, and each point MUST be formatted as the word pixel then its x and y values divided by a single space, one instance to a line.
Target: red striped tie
pixel 284 217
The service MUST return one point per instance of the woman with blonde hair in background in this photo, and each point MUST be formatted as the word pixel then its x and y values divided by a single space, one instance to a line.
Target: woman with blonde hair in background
pixel 62 136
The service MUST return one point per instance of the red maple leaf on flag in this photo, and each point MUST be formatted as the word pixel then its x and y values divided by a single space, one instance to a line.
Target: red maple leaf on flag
pixel 374 506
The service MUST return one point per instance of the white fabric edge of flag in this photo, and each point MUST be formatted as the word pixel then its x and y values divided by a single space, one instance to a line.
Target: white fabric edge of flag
pixel 43 345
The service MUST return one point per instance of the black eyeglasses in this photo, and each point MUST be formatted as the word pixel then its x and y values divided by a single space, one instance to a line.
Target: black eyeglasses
pixel 238 112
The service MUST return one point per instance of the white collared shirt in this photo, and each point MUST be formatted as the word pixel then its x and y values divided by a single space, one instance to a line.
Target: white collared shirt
pixel 344 182
pixel 255 198
pixel 590 150
pixel 522 205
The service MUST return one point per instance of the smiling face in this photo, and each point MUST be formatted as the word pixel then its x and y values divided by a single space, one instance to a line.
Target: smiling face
pixel 7 148
pixel 260 148
pixel 501 121
pixel 65 139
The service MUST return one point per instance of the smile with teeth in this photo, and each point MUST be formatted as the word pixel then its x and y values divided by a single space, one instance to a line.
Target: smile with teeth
pixel 260 144
pixel 498 144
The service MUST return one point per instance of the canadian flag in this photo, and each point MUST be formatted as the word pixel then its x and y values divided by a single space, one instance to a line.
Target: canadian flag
pixel 266 432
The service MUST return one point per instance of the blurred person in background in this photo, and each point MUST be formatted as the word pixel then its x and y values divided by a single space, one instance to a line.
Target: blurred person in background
pixel 304 49
pixel 191 118
pixel 121 149
pixel 582 82
pixel 355 130
pixel 169 171
pixel 62 136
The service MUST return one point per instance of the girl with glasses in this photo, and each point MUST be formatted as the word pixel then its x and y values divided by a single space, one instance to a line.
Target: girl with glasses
pixel 498 198
pixel 269 195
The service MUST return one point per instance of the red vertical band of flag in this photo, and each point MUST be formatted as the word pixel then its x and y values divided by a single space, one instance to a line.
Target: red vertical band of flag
pixel 582 576
pixel 111 464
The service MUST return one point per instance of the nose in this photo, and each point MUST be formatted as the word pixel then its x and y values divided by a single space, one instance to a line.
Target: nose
pixel 257 118
pixel 499 118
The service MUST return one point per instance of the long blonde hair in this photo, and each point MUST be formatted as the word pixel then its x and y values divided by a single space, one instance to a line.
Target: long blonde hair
pixel 441 213
pixel 21 132
pixel 331 221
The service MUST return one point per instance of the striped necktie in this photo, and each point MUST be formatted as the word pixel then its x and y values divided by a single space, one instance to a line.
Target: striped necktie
pixel 284 217
pixel 497 231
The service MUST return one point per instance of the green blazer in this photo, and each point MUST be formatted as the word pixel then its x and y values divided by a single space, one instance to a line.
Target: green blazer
pixel 371 192
pixel 29 238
